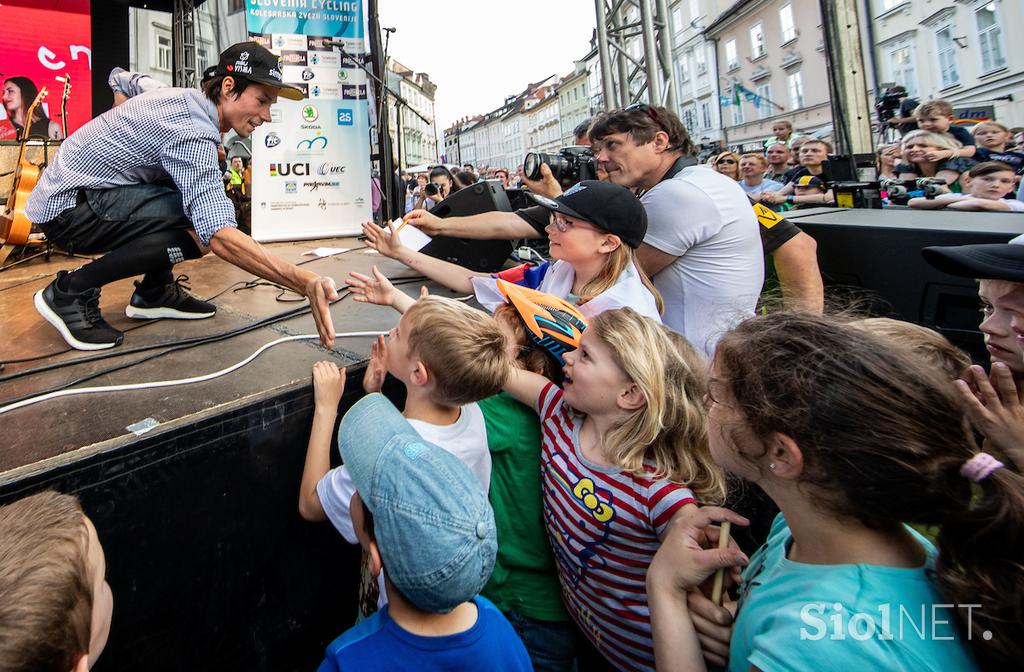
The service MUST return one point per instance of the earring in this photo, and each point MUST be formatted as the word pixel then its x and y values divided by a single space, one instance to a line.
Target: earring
pixel 772 466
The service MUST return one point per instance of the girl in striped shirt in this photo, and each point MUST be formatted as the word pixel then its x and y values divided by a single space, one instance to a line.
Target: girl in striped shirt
pixel 625 449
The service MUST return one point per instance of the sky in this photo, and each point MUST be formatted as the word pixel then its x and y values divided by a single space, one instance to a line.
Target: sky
pixel 480 52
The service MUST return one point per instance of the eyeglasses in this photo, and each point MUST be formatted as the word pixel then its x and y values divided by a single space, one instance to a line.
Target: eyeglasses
pixel 563 224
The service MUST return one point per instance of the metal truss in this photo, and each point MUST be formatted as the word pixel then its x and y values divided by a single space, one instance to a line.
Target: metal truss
pixel 624 78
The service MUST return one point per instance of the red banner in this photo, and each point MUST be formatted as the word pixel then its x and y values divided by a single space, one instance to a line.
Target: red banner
pixel 43 40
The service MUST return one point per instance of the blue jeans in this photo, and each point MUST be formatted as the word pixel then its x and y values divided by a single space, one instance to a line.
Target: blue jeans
pixel 551 644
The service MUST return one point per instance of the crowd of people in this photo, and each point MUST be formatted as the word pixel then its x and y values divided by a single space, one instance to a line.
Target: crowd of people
pixel 558 489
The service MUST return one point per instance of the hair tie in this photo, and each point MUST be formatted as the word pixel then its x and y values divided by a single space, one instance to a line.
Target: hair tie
pixel 979 467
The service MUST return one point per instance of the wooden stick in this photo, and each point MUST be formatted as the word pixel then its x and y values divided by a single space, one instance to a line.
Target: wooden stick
pixel 723 542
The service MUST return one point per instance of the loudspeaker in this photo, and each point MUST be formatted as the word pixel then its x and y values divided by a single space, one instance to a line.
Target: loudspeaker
pixel 485 256
pixel 876 255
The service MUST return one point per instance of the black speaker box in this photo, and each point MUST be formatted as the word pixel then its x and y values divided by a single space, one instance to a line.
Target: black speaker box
pixel 876 255
pixel 486 256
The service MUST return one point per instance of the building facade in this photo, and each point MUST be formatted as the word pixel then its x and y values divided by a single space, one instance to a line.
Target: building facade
pixel 695 63
pixel 771 66
pixel 959 51
pixel 573 102
pixel 543 125
pixel 418 140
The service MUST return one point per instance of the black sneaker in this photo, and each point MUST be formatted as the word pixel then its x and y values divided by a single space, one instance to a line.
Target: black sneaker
pixel 170 300
pixel 76 315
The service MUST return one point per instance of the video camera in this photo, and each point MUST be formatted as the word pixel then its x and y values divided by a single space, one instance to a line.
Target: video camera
pixel 887 103
pixel 569 166
pixel 901 191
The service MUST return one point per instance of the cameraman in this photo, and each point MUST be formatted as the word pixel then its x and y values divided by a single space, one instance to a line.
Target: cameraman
pixel 905 122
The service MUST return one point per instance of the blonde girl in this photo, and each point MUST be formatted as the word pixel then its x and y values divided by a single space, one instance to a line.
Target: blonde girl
pixel 918 145
pixel 625 450
pixel 594 231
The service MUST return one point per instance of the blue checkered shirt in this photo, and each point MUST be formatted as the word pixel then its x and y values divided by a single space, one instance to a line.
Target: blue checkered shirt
pixel 168 132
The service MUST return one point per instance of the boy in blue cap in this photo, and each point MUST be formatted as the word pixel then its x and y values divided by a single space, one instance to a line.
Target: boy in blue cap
pixel 430 530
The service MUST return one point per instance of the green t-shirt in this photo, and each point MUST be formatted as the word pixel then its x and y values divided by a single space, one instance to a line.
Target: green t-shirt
pixel 524 577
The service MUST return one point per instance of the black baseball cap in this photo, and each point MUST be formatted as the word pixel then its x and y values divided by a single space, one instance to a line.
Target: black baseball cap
pixel 994 261
pixel 256 63
pixel 605 205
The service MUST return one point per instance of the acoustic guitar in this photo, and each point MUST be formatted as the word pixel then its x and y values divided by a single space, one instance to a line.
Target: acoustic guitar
pixel 15 227
pixel 64 104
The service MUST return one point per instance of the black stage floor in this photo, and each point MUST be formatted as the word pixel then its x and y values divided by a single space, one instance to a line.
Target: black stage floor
pixel 59 431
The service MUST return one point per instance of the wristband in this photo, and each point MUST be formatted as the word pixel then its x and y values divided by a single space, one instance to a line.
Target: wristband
pixel 789 199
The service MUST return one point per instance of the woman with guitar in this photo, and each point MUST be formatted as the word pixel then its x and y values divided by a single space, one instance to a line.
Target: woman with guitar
pixel 18 94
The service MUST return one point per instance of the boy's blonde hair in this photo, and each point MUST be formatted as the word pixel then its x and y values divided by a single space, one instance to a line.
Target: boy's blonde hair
pixel 929 345
pixel 943 140
pixel 667 437
pixel 461 347
pixel 45 589
pixel 943 108
pixel 759 157
pixel 617 261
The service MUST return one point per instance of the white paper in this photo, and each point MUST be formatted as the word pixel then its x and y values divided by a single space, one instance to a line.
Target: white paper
pixel 410 236
pixel 325 251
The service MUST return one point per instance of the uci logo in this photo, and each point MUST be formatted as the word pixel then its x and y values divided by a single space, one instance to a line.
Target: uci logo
pixel 344 116
pixel 316 142
pixel 272 140
pixel 285 169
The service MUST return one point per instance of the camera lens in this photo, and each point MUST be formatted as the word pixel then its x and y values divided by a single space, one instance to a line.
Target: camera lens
pixel 531 165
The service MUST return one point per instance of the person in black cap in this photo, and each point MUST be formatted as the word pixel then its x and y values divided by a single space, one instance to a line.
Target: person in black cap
pixel 142 184
pixel 593 233
pixel 994 402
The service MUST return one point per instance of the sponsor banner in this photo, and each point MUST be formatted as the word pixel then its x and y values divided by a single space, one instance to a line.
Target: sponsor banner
pixel 311 164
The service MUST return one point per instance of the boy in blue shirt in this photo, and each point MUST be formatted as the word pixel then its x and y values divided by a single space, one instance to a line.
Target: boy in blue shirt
pixel 427 525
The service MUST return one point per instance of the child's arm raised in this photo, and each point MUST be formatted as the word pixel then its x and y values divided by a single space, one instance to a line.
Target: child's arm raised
pixel 450 275
pixel 525 386
pixel 376 288
pixel 328 386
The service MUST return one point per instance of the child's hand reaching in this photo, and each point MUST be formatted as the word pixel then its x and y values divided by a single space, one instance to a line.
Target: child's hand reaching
pixel 377 368
pixel 385 241
pixel 328 386
pixel 938 154
pixel 374 288
pixel 995 409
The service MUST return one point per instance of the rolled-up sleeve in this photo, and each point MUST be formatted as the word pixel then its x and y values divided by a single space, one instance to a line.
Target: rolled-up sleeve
pixel 192 163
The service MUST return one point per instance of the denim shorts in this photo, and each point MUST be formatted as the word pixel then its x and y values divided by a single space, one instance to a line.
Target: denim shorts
pixel 550 644
pixel 106 219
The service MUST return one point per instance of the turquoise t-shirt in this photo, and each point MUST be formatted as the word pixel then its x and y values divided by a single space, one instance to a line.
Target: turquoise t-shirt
pixel 797 616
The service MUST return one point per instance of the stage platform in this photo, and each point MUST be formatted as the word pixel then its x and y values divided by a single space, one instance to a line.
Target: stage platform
pixel 210 563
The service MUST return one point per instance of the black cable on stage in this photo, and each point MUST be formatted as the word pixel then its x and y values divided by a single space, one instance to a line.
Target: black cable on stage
pixel 174 347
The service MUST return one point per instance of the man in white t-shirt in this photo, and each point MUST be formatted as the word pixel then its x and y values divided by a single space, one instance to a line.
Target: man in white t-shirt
pixel 702 248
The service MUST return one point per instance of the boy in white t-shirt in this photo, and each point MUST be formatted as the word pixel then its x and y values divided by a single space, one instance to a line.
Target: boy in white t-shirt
pixel 989 183
pixel 449 356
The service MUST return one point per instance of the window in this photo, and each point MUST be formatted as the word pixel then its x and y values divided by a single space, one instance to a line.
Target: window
pixel 756 41
pixel 164 60
pixel 764 107
pixel 684 68
pixel 235 6
pixel 946 50
pixel 699 56
pixel 690 119
pixel 737 112
pixel 786 22
pixel 901 68
pixel 694 10
pixel 889 4
pixel 730 55
pixel 705 114
pixel 990 38
pixel 796 91
pixel 677 20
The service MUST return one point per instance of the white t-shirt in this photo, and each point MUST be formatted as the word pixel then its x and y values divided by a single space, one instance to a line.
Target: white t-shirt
pixel 705 219
pixel 466 439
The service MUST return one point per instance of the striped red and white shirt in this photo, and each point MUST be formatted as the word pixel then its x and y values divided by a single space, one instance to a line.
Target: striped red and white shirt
pixel 604 525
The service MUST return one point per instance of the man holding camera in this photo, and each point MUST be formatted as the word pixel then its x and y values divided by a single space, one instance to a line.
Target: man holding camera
pixel 896 96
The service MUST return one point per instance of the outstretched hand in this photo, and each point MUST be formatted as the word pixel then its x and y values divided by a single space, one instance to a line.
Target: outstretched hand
pixel 321 292
pixel 995 409
pixel 328 386
pixel 377 368
pixel 385 241
pixel 373 288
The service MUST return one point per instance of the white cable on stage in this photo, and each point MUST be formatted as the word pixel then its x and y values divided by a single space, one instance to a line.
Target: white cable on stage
pixel 180 381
